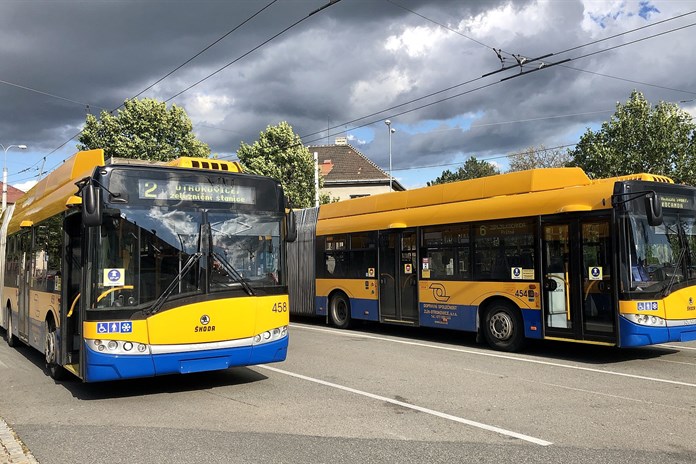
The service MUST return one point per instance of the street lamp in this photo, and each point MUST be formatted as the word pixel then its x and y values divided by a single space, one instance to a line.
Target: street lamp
pixel 4 172
pixel 391 131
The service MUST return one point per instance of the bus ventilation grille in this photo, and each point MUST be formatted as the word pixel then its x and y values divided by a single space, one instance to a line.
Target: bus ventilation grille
pixel 210 165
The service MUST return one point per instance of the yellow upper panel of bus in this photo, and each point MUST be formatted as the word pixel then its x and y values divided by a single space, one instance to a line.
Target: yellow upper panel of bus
pixel 50 195
pixel 567 189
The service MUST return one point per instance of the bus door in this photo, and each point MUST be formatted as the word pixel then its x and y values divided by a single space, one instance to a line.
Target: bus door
pixel 25 270
pixel 577 283
pixel 70 315
pixel 398 276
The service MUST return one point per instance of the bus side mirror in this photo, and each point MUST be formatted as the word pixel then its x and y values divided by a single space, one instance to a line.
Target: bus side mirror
pixel 653 209
pixel 91 206
pixel 290 227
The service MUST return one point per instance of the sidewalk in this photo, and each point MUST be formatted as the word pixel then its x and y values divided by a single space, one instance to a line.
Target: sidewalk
pixel 12 450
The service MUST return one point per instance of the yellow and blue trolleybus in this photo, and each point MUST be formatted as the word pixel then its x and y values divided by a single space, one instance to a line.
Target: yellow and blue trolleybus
pixel 121 269
pixel 545 254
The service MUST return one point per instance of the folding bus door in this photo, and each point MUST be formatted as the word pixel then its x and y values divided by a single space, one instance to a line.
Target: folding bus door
pixel 398 276
pixel 578 279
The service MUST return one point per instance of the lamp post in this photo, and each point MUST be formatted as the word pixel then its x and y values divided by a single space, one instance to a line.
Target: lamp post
pixel 391 131
pixel 4 172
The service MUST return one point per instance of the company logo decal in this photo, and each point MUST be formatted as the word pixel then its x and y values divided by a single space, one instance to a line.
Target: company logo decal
pixel 205 320
pixel 439 292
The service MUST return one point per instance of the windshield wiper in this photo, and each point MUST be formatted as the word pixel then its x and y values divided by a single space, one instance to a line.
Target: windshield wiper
pixel 232 271
pixel 684 245
pixel 157 305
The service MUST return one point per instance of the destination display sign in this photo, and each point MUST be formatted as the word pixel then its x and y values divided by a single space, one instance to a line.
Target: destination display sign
pixel 159 189
pixel 676 201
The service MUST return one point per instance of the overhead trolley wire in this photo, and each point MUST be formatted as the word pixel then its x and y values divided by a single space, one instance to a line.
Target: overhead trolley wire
pixel 317 10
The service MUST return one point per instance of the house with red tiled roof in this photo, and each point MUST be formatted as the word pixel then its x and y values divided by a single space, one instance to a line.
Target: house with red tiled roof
pixel 347 173
pixel 13 194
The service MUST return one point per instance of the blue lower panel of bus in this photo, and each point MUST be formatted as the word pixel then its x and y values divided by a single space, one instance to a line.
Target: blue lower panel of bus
pixel 360 308
pixel 463 317
pixel 322 305
pixel 446 316
pixel 365 310
pixel 640 335
pixel 102 367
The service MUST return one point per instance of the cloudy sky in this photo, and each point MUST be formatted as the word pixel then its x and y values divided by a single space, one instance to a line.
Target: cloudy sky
pixel 341 72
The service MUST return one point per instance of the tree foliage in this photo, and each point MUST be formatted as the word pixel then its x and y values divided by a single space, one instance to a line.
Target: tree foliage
pixel 472 169
pixel 641 138
pixel 143 129
pixel 279 153
pixel 538 157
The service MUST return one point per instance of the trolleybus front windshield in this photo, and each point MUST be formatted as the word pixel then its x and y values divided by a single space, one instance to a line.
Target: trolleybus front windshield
pixel 660 259
pixel 140 251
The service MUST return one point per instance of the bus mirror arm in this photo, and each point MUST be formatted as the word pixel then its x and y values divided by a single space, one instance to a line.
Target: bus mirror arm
pixel 91 205
pixel 653 207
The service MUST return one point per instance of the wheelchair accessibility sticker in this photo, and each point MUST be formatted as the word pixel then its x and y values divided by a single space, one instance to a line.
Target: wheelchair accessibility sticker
pixel 595 273
pixel 114 327
pixel 114 277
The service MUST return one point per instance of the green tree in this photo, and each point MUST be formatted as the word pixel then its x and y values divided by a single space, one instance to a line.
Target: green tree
pixel 538 157
pixel 143 129
pixel 472 169
pixel 641 138
pixel 279 153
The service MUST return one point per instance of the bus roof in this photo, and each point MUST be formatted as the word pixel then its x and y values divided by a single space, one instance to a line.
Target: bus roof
pixel 514 183
pixel 49 195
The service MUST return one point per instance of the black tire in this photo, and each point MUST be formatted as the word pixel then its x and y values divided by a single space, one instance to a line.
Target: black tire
pixel 11 339
pixel 54 369
pixel 503 327
pixel 339 311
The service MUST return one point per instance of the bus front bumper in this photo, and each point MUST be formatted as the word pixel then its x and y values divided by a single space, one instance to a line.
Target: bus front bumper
pixel 104 366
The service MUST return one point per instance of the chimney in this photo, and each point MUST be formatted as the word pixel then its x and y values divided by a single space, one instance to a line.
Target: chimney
pixel 341 141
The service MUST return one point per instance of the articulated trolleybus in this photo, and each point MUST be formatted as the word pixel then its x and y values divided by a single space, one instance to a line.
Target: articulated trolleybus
pixel 120 269
pixel 546 253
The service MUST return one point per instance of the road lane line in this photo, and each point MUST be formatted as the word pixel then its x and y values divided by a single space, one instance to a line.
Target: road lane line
pixel 679 347
pixel 490 428
pixel 495 355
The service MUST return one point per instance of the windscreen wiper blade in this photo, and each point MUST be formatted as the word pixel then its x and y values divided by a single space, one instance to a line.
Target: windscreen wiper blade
pixel 668 288
pixel 157 305
pixel 232 271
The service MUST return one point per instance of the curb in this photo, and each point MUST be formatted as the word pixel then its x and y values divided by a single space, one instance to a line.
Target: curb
pixel 12 450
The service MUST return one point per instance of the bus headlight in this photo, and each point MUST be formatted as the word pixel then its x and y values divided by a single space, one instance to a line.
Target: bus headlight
pixel 646 320
pixel 118 347
pixel 271 335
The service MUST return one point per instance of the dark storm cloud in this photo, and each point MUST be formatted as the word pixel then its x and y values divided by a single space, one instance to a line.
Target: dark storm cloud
pixel 350 60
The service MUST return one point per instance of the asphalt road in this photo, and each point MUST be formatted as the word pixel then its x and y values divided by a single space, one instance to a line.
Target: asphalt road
pixel 373 394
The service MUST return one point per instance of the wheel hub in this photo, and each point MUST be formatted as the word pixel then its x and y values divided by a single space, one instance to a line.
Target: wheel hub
pixel 501 326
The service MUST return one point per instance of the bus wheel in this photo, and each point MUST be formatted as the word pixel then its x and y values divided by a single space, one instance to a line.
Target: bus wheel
pixel 339 311
pixel 11 339
pixel 503 327
pixel 50 343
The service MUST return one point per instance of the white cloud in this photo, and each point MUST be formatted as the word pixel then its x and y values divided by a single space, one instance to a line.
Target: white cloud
pixel 416 41
pixel 508 22
pixel 209 108
pixel 25 186
pixel 356 141
pixel 381 91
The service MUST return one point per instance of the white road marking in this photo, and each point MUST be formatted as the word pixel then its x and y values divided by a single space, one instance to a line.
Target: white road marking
pixel 495 355
pixel 675 362
pixel 490 428
pixel 679 347
pixel 2 364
